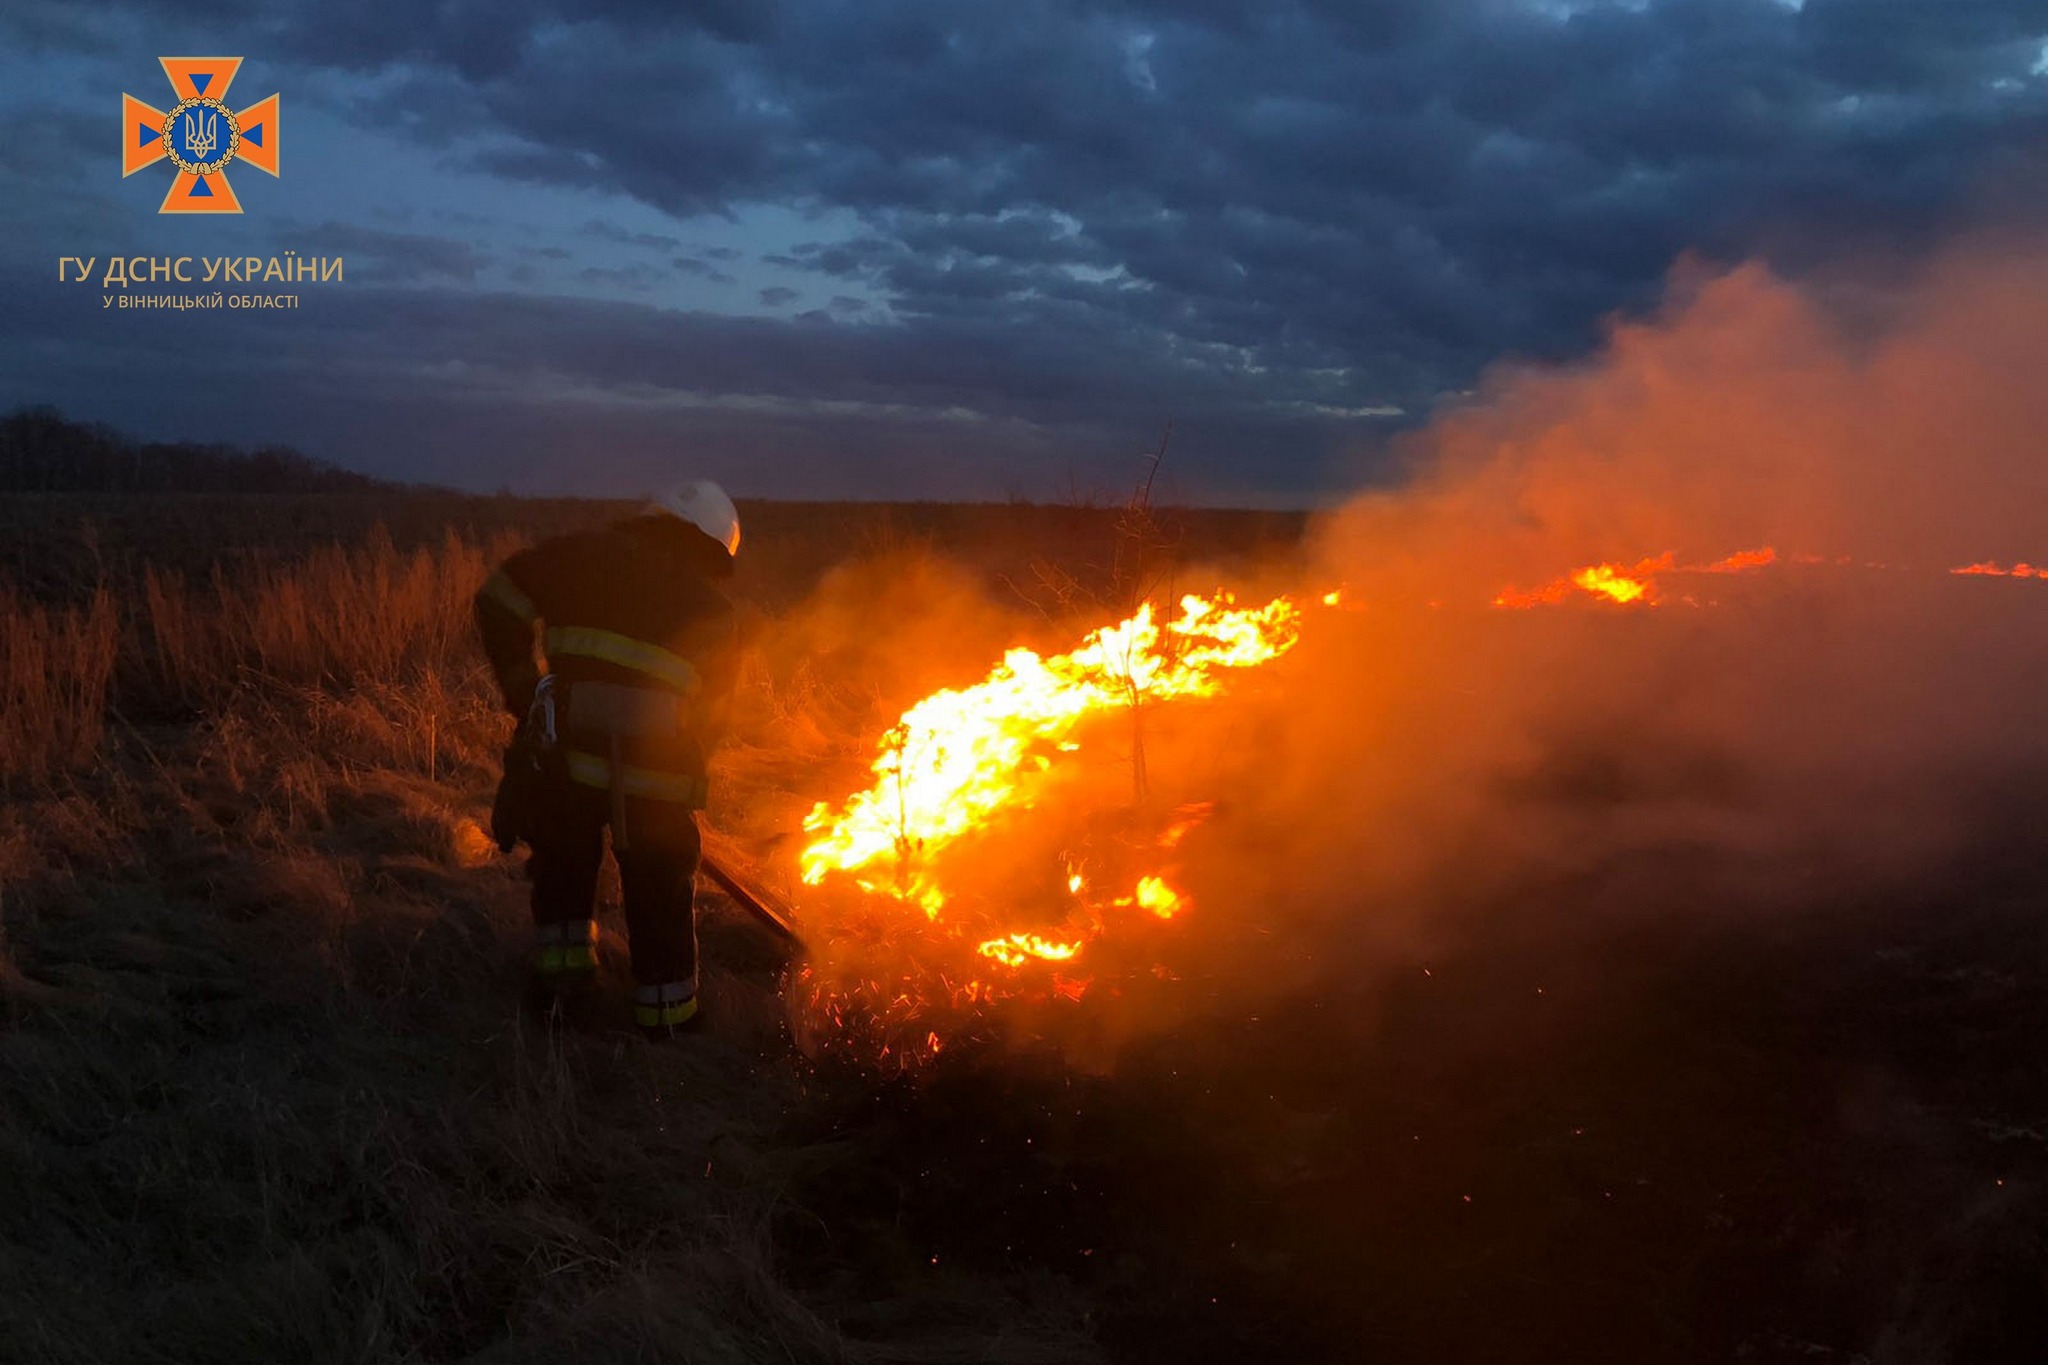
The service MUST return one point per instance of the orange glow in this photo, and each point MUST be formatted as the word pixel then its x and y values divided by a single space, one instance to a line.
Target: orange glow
pixel 1991 570
pixel 960 758
pixel 1618 585
pixel 1744 560
pixel 1155 895
pixel 1018 949
pixel 962 773
pixel 1521 600
pixel 1186 818
pixel 1630 585
pixel 972 873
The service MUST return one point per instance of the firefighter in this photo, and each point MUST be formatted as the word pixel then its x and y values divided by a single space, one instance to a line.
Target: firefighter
pixel 618 717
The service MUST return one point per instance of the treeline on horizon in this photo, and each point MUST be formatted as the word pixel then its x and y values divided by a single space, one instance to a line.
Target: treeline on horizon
pixel 42 451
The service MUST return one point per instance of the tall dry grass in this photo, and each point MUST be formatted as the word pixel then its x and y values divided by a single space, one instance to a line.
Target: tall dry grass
pixel 339 622
pixel 341 617
pixel 57 668
pixel 264 1093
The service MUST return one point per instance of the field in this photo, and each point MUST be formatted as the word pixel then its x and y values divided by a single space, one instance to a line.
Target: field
pixel 266 1091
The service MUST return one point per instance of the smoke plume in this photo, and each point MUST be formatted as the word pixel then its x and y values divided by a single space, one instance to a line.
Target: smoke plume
pixel 1806 704
pixel 1852 714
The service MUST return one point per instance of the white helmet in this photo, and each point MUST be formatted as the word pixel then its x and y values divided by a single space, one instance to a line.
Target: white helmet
pixel 705 506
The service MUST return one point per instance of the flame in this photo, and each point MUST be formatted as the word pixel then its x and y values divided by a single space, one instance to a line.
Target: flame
pixel 1987 568
pixel 1630 584
pixel 968 763
pixel 1155 895
pixel 1627 585
pixel 1187 817
pixel 1620 585
pixel 1521 600
pixel 1743 561
pixel 1017 949
pixel 961 756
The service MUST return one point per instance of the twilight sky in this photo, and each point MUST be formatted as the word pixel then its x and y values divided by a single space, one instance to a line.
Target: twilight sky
pixel 907 248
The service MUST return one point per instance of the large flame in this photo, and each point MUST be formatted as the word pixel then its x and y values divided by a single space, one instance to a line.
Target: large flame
pixel 970 764
pixel 963 762
pixel 959 757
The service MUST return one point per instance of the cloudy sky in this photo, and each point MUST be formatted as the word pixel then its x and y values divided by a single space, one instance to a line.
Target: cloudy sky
pixel 875 248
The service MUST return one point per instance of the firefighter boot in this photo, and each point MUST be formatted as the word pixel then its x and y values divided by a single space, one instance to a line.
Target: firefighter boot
pixel 667 1011
pixel 564 980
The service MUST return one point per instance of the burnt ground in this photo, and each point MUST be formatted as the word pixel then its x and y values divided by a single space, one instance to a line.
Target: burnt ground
pixel 1821 1135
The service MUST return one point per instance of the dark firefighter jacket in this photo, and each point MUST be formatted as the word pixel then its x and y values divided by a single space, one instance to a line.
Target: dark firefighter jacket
pixel 631 616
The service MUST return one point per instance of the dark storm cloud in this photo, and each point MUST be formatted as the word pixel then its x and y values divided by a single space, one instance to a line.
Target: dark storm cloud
pixel 1343 185
pixel 1236 214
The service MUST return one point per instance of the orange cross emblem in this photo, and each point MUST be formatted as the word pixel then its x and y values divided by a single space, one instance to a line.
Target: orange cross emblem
pixel 200 135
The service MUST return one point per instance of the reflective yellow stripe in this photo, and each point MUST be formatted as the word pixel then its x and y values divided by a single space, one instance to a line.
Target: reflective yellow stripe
pixel 506 594
pixel 594 770
pixel 556 961
pixel 654 1016
pixel 570 946
pixel 608 646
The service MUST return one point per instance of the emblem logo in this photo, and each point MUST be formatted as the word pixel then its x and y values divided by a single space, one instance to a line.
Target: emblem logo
pixel 200 135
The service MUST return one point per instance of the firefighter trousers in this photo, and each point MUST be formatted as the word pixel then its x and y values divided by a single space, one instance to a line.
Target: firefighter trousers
pixel 657 876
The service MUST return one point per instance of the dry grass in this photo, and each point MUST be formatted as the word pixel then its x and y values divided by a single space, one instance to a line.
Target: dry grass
pixel 265 1091
pixel 266 1094
pixel 339 624
pixel 56 668
pixel 340 618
